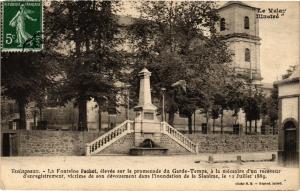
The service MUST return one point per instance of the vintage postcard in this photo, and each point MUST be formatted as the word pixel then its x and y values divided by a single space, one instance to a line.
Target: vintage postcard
pixel 149 95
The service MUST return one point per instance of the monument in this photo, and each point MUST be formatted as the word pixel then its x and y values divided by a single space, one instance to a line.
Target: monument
pixel 147 126
pixel 146 135
pixel 146 122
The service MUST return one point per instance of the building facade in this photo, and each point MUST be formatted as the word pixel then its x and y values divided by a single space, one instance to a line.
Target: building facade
pixel 289 117
pixel 240 28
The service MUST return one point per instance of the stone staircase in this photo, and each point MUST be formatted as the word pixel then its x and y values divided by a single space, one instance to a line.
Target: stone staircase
pixel 179 138
pixel 109 138
pixel 104 141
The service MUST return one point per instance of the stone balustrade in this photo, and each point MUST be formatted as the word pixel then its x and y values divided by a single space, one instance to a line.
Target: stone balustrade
pixel 108 138
pixel 179 138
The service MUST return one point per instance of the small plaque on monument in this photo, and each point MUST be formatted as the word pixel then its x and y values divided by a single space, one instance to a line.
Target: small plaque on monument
pixel 149 115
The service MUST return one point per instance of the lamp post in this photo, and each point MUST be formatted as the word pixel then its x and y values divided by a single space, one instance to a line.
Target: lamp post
pixel 127 91
pixel 163 103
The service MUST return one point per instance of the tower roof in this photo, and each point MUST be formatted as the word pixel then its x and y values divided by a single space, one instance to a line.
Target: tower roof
pixel 230 3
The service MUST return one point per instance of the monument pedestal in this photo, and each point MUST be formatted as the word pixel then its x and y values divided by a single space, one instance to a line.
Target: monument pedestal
pixel 146 125
pixel 149 128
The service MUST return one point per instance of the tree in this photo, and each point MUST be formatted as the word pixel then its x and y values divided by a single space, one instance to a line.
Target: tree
pixel 221 104
pixel 87 33
pixel 289 72
pixel 273 107
pixel 269 108
pixel 186 106
pixel 214 115
pixel 233 93
pixel 178 38
pixel 209 73
pixel 236 93
pixel 26 77
pixel 252 105
pixel 226 93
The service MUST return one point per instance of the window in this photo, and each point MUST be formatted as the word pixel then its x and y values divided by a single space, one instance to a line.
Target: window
pixel 222 24
pixel 246 22
pixel 247 55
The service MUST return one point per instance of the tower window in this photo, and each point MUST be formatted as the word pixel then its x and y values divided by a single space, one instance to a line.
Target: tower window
pixel 247 55
pixel 222 24
pixel 246 22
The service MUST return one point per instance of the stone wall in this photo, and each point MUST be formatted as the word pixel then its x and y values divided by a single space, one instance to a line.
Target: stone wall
pixel 68 143
pixel 172 146
pixel 234 143
pixel 72 143
pixel 54 143
pixel 121 146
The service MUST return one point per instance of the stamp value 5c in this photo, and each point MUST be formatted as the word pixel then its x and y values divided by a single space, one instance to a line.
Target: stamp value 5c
pixel 22 26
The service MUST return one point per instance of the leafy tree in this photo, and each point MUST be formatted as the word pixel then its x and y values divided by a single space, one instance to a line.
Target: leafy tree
pixel 236 94
pixel 227 94
pixel 289 72
pixel 186 105
pixel 252 105
pixel 26 77
pixel 209 73
pixel 221 104
pixel 178 38
pixel 273 107
pixel 269 108
pixel 87 33
pixel 214 115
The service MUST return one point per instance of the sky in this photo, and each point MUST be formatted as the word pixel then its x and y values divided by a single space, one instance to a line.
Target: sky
pixel 280 44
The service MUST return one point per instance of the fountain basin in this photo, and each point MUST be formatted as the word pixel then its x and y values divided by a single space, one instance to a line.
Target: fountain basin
pixel 148 147
pixel 142 151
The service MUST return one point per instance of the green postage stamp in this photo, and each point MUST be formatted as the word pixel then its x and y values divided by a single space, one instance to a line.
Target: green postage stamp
pixel 22 26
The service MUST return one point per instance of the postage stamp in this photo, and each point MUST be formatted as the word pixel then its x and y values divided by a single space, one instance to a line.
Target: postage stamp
pixel 22 26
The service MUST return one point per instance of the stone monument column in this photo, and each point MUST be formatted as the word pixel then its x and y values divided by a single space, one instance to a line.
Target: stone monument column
pixel 147 126
pixel 145 103
pixel 145 93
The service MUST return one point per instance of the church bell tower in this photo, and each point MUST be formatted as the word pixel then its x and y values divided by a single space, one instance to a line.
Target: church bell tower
pixel 239 27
